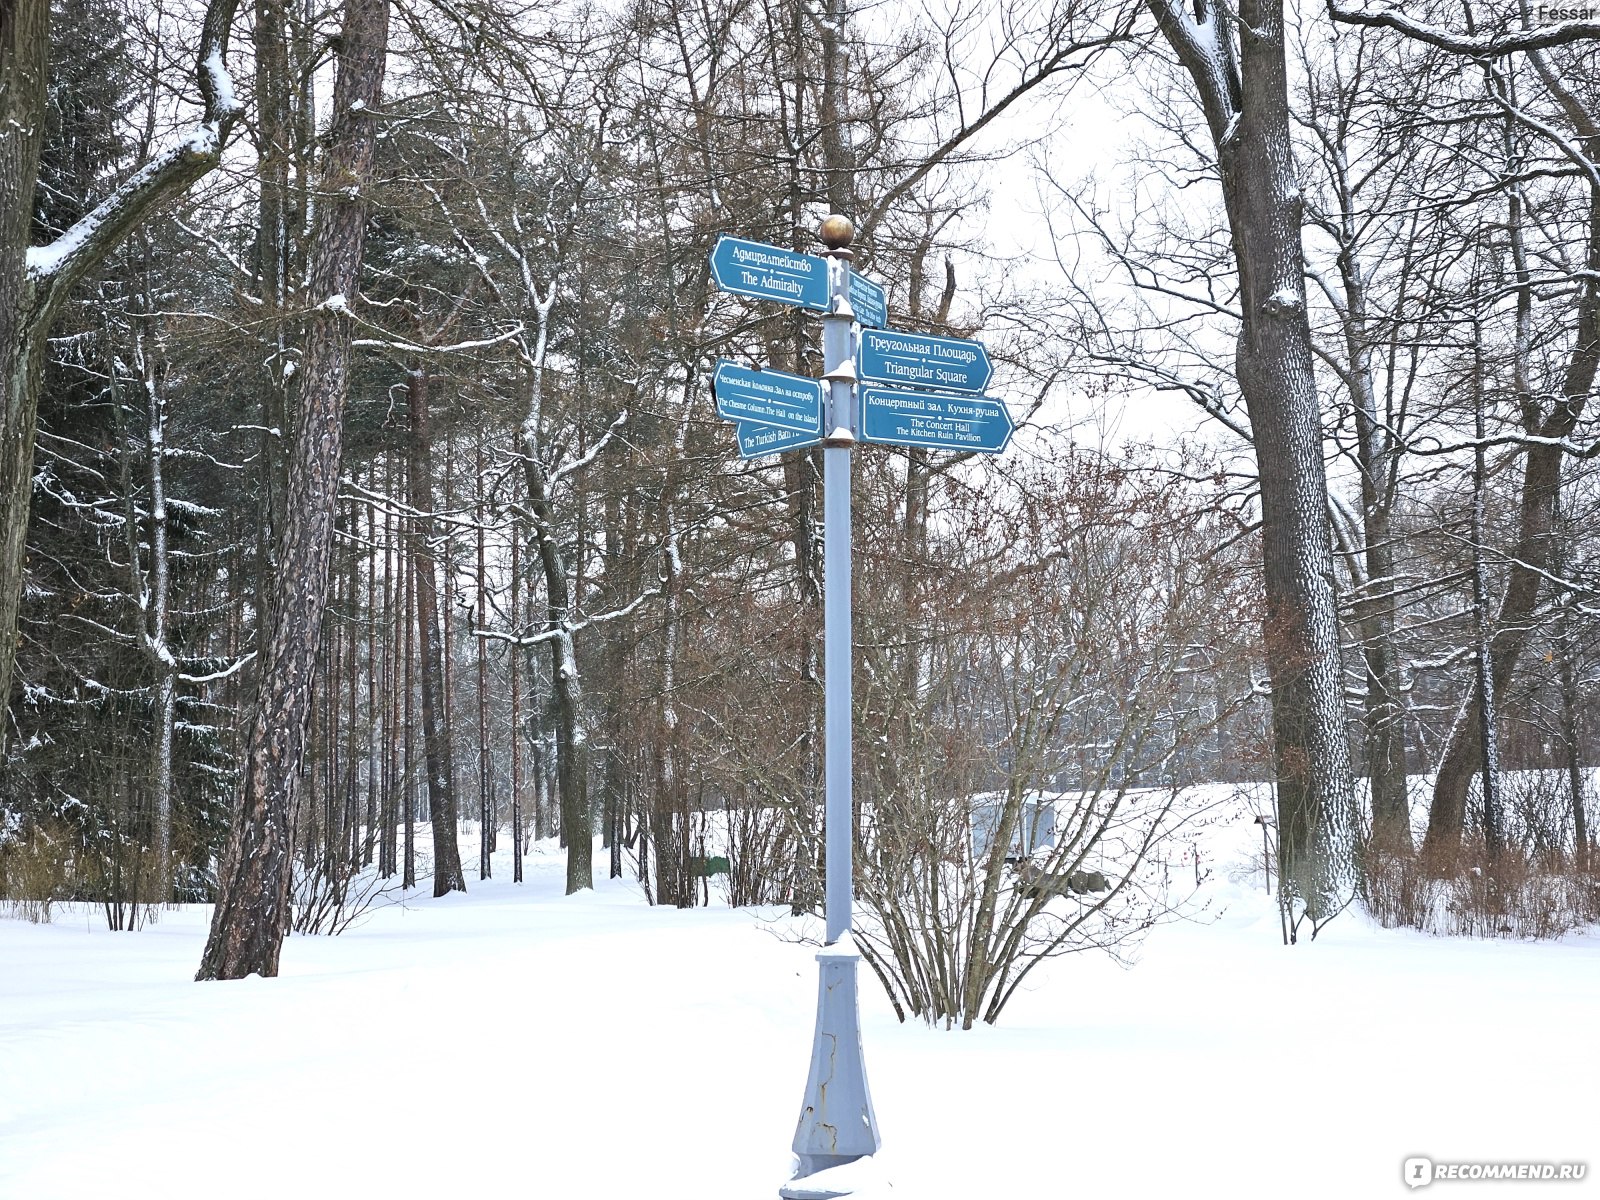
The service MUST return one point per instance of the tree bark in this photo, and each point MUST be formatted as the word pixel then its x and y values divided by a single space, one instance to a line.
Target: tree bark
pixel 24 37
pixel 252 910
pixel 1531 558
pixel 487 817
pixel 1571 732
pixel 566 684
pixel 407 640
pixel 274 90
pixel 1375 611
pixel 447 873
pixel 1242 84
pixel 373 625
pixel 515 666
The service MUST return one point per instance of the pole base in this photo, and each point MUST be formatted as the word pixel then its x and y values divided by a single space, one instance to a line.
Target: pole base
pixel 861 1177
pixel 837 1125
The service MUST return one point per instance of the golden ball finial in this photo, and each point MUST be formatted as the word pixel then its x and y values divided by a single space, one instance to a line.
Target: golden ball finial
pixel 836 231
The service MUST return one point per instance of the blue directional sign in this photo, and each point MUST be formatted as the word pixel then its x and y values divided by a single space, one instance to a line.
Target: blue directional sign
pixel 869 301
pixel 770 273
pixel 922 360
pixel 768 398
pixel 756 440
pixel 935 421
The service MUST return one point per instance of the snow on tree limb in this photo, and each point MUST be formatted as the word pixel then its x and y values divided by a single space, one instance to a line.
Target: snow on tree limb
pixel 1496 45
pixel 55 268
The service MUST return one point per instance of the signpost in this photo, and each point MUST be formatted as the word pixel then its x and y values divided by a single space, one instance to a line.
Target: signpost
pixel 939 422
pixel 765 272
pixel 868 300
pixel 776 411
pixel 923 360
pixel 756 440
pixel 768 398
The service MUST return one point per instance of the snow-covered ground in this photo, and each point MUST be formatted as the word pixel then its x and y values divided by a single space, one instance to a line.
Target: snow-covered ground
pixel 515 1042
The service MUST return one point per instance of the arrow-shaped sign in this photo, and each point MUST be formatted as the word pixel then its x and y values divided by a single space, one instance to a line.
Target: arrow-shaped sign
pixel 934 421
pixel 756 440
pixel 922 360
pixel 768 398
pixel 770 273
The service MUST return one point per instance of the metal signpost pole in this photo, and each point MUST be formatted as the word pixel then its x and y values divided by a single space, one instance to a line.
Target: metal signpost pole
pixel 838 372
pixel 837 1125
pixel 933 399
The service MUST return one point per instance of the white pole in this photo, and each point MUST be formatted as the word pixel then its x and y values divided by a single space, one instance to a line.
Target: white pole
pixel 836 653
pixel 837 1124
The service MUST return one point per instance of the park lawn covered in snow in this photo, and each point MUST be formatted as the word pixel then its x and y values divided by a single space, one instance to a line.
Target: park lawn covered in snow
pixel 516 1042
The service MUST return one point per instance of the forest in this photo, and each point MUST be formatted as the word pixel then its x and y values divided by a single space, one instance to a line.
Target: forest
pixel 363 481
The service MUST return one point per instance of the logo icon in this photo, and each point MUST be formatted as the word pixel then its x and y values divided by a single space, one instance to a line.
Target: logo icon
pixel 1417 1172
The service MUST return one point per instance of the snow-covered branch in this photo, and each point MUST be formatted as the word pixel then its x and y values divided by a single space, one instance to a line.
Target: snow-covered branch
pixel 55 268
pixel 225 672
pixel 1494 45
pixel 594 452
pixel 550 635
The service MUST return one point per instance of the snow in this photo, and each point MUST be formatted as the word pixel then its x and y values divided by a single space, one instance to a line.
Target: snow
pixel 222 85
pixel 46 260
pixel 513 1041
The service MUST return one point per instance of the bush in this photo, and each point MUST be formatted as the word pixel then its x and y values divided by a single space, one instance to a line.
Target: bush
pixel 1519 896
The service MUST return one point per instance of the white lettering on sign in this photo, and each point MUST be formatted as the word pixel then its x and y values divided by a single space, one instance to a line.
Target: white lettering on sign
pixel 885 344
pixel 767 258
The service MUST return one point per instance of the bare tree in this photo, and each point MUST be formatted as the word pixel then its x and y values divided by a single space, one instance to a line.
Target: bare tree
pixel 1238 66
pixel 1020 798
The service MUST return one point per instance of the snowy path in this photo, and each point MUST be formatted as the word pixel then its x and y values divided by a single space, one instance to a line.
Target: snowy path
pixel 515 1042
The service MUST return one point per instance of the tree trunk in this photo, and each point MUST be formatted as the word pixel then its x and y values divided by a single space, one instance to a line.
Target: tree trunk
pixel 374 626
pixel 616 659
pixel 408 757
pixel 1488 731
pixel 160 652
pixel 447 874
pixel 1242 84
pixel 1530 558
pixel 388 847
pixel 487 817
pixel 566 684
pixel 515 666
pixel 24 41
pixel 274 144
pixel 252 910
pixel 1375 610
pixel 1571 732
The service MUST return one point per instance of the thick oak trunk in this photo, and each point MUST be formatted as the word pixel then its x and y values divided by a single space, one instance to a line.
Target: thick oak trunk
pixel 1239 72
